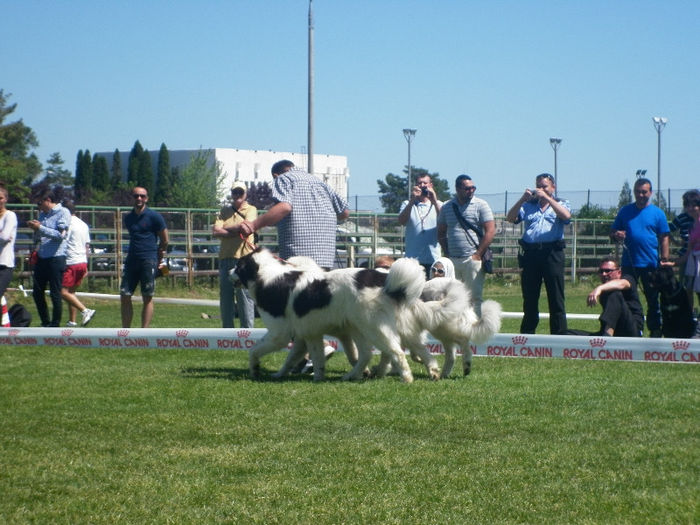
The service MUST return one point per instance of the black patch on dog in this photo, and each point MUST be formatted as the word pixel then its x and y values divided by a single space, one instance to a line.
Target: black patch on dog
pixel 247 269
pixel 676 313
pixel 369 279
pixel 273 297
pixel 315 296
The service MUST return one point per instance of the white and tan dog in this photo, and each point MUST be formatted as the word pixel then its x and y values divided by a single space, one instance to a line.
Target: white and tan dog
pixel 303 305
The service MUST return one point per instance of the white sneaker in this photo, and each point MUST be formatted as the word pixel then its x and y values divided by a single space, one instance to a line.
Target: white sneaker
pixel 71 323
pixel 87 316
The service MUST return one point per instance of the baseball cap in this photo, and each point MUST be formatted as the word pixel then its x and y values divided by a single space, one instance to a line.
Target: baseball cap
pixel 238 185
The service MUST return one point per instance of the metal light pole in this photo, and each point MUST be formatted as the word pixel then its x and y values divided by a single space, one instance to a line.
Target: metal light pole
pixel 555 143
pixel 659 124
pixel 409 134
pixel 310 123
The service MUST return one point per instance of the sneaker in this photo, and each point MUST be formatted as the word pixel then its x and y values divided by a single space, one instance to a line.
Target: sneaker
pixel 87 316
pixel 71 323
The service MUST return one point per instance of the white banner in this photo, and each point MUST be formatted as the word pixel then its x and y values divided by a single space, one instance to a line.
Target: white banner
pixel 500 345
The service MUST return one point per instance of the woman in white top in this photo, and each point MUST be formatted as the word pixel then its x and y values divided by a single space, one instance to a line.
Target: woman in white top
pixel 8 233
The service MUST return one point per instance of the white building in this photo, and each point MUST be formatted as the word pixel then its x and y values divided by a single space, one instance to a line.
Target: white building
pixel 252 165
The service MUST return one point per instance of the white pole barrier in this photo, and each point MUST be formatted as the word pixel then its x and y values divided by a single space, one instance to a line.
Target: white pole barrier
pixel 500 345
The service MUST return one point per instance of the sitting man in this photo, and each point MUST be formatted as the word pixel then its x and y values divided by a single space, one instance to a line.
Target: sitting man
pixel 622 312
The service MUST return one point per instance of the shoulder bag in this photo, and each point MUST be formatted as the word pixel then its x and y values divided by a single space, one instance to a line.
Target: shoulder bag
pixel 487 257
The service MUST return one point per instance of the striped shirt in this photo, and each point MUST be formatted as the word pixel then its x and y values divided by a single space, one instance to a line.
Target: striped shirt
pixel 683 223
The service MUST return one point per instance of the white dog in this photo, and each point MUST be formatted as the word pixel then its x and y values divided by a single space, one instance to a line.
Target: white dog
pixel 454 324
pixel 303 305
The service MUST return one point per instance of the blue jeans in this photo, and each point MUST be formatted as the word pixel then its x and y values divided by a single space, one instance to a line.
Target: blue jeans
pixel 244 303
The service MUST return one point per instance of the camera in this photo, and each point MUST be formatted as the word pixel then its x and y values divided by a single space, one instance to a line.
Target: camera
pixel 424 192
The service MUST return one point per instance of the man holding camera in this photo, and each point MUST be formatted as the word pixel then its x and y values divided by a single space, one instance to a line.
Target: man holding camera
pixel 542 257
pixel 419 216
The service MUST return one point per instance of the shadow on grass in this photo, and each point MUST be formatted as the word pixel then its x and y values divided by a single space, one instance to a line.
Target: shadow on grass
pixel 238 374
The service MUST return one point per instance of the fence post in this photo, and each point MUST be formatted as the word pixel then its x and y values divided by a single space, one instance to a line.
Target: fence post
pixel 574 250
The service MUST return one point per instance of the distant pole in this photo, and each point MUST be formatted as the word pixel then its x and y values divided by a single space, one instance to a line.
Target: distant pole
pixel 409 134
pixel 310 138
pixel 555 143
pixel 659 124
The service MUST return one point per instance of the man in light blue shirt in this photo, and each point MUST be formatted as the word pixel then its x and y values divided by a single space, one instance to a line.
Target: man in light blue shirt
pixel 542 257
pixel 419 216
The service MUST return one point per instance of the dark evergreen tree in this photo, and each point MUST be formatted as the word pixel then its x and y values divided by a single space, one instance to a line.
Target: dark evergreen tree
pixel 18 167
pixel 625 195
pixel 117 177
pixel 164 184
pixel 100 173
pixel 146 178
pixel 79 180
pixel 132 170
pixel 259 195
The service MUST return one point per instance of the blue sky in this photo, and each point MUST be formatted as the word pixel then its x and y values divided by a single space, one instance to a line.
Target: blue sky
pixel 485 83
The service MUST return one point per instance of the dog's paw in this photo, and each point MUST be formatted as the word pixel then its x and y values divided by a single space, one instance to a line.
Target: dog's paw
pixel 467 369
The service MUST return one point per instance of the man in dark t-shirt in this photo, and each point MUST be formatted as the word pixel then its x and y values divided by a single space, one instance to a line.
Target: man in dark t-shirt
pixel 148 242
pixel 622 312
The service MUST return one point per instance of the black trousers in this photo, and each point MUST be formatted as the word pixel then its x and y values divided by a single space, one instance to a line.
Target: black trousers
pixel 618 316
pixel 543 265
pixel 651 294
pixel 49 271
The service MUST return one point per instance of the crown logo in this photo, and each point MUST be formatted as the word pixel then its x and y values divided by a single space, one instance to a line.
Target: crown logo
pixel 681 345
pixel 122 333
pixel 519 340
pixel 182 333
pixel 66 333
pixel 245 334
pixel 597 342
pixel 14 331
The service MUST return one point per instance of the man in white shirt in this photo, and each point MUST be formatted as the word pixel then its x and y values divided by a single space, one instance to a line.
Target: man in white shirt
pixel 78 247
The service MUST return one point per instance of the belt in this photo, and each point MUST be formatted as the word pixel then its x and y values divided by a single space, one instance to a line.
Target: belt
pixel 554 245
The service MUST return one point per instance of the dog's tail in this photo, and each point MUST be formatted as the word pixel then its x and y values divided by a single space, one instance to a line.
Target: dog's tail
pixel 405 281
pixel 442 299
pixel 489 324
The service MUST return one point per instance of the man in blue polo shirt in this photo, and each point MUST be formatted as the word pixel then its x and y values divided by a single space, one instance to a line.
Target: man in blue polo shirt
pixel 643 231
pixel 148 242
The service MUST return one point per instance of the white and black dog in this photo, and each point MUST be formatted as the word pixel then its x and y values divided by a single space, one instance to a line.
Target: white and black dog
pixel 303 305
pixel 444 310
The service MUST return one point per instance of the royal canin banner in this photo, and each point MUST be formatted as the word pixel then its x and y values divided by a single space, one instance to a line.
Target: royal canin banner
pixel 500 345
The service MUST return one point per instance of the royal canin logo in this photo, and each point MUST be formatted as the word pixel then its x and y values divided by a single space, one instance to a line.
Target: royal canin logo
pixel 681 345
pixel 122 333
pixel 597 342
pixel 519 340
pixel 182 333
pixel 13 332
pixel 243 333
pixel 66 333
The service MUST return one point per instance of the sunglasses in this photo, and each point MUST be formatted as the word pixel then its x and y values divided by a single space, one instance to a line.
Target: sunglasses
pixel 607 270
pixel 139 195
pixel 468 188
pixel 439 271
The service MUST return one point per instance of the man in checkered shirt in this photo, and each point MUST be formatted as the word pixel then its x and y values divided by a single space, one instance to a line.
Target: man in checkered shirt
pixel 306 213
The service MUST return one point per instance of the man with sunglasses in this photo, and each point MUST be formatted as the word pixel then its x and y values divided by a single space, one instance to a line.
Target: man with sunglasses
pixel 622 312
pixel 465 230
pixel 542 257
pixel 148 242
pixel 233 247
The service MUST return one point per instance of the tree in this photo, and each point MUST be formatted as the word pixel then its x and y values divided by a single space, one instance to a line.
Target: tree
pixel 164 184
pixel 197 187
pixel 259 195
pixel 132 170
pixel 18 167
pixel 56 174
pixel 100 173
pixel 83 177
pixel 146 178
pixel 393 189
pixel 116 175
pixel 625 195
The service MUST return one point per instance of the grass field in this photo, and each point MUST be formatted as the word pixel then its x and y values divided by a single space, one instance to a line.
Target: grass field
pixel 136 436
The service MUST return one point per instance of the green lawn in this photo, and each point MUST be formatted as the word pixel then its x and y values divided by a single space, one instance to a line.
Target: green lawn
pixel 183 436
